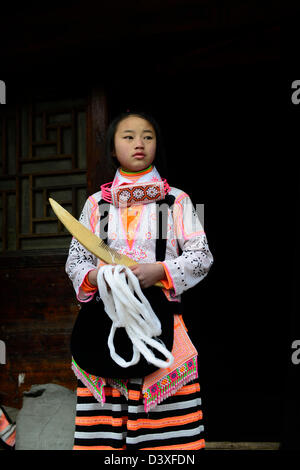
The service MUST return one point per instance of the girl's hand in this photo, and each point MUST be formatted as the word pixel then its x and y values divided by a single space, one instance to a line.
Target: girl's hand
pixel 92 276
pixel 148 273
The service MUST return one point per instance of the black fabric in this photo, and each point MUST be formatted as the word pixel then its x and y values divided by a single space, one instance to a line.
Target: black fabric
pixel 92 326
pixel 91 330
pixel 161 241
pixel 103 214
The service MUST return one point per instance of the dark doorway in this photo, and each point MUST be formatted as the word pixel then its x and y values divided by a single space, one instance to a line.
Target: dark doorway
pixel 221 130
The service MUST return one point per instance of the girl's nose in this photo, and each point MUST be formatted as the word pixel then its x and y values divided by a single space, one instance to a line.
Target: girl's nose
pixel 139 143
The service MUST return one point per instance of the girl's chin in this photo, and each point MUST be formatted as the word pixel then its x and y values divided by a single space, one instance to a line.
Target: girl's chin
pixel 138 166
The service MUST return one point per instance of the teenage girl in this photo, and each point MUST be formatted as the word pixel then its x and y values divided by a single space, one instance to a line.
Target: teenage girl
pixel 160 410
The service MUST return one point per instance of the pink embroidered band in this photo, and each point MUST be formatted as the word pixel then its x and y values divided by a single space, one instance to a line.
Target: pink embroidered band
pixel 138 193
pixel 159 385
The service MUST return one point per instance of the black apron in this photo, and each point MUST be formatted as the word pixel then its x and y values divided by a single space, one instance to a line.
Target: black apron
pixel 92 327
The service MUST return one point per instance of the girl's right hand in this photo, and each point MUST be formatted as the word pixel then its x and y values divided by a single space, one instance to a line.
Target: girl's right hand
pixel 92 276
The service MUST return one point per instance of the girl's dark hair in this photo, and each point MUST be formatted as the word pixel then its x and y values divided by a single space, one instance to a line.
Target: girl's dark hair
pixel 160 156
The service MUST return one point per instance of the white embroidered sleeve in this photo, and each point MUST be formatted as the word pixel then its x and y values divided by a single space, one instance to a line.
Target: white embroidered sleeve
pixel 195 261
pixel 80 261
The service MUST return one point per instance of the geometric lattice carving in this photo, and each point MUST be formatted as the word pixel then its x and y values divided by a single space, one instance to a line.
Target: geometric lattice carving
pixel 42 155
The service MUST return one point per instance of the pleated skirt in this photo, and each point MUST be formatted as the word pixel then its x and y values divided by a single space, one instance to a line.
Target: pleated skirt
pixel 122 424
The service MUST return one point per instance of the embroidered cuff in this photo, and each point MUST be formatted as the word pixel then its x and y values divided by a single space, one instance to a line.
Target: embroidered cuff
pixel 86 286
pixel 167 283
pixel 86 290
pixel 83 297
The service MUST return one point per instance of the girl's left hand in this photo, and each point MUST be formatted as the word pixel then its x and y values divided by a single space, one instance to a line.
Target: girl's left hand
pixel 148 273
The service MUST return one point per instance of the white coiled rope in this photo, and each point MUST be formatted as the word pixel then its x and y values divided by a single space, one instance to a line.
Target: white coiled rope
pixel 132 313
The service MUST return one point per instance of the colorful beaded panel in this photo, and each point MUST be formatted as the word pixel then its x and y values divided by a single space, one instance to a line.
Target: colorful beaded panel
pixel 137 193
pixel 170 383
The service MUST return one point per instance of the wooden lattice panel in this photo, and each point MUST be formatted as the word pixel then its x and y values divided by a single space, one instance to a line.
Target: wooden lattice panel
pixel 43 154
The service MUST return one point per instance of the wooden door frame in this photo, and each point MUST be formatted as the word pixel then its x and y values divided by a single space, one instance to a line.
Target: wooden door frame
pixel 97 122
pixel 38 326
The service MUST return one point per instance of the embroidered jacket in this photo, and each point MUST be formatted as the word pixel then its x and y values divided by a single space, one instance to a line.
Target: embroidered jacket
pixel 132 231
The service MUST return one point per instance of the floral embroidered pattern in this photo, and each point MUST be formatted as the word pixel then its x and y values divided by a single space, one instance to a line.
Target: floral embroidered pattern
pixel 152 192
pixel 79 254
pixel 124 195
pixel 138 193
pixel 197 260
pixel 136 253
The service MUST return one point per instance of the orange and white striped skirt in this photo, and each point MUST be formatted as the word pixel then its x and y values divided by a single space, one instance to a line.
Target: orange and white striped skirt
pixel 121 424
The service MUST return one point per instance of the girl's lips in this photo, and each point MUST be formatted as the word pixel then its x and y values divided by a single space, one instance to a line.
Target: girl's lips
pixel 139 156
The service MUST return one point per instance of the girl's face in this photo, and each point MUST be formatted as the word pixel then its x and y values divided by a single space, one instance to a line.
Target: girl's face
pixel 134 143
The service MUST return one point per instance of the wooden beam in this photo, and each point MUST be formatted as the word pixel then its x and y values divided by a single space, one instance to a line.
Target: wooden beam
pixel 97 122
pixel 226 445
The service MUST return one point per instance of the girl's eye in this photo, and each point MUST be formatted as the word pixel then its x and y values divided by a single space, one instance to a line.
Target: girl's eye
pixel 147 137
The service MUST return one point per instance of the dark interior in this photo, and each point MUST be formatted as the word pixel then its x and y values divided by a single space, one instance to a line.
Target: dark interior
pixel 216 92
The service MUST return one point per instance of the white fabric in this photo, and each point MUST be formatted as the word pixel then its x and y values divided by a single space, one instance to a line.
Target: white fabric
pixel 185 232
pixel 135 315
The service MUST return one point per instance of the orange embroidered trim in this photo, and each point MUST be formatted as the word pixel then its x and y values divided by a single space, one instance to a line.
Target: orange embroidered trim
pixel 109 392
pixel 95 420
pixel 167 283
pixel 136 173
pixel 130 219
pixel 189 446
pixel 86 286
pixel 164 422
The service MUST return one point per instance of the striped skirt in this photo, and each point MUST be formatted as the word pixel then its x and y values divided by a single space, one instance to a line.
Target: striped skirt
pixel 122 424
pixel 7 430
